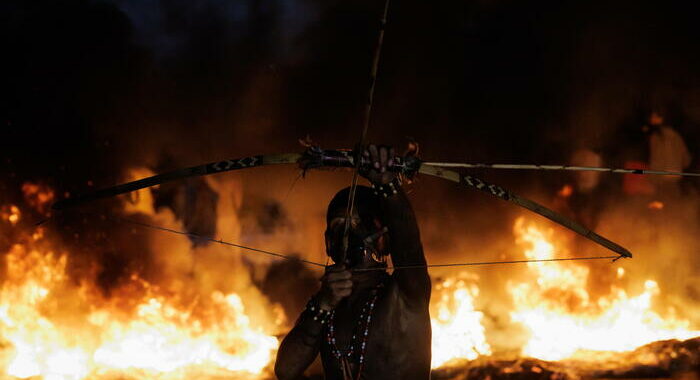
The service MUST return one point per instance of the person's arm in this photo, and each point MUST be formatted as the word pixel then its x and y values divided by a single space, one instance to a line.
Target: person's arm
pixel 404 237
pixel 406 249
pixel 300 347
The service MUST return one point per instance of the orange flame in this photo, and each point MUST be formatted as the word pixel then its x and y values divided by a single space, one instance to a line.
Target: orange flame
pixel 456 325
pixel 11 214
pixel 562 318
pixel 55 327
pixel 565 191
pixel 38 196
pixel 161 338
pixel 655 205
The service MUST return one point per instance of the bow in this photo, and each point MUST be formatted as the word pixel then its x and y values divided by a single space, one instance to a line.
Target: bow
pixel 316 158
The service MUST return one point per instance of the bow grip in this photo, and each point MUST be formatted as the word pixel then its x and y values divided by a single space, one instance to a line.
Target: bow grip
pixel 315 157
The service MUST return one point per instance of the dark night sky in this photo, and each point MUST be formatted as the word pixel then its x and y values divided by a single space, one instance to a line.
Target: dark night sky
pixel 92 86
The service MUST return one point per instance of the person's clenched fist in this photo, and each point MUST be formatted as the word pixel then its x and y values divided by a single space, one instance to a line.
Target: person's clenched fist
pixel 336 284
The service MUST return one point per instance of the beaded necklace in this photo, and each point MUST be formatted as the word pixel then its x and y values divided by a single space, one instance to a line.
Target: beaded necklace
pixel 362 329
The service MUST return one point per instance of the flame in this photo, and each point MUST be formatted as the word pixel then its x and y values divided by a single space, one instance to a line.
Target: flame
pixel 161 337
pixel 655 205
pixel 565 191
pixel 38 196
pixel 11 214
pixel 55 327
pixel 563 319
pixel 620 272
pixel 456 325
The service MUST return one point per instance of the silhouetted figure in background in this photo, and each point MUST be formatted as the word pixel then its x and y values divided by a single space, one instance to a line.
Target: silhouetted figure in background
pixel 667 151
pixel 585 198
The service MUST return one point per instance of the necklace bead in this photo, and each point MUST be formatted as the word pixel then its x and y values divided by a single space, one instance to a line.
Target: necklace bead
pixel 363 324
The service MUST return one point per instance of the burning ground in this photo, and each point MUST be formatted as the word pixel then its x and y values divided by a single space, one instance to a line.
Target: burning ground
pixel 148 304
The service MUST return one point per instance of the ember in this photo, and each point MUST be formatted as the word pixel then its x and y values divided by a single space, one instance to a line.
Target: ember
pixel 565 191
pixel 10 213
pixel 656 205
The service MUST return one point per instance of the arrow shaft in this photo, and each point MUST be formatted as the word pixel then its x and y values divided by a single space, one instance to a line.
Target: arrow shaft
pixel 365 127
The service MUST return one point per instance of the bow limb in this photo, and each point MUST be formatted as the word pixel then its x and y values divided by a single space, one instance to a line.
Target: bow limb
pixel 506 195
pixel 466 165
pixel 315 158
pixel 194 171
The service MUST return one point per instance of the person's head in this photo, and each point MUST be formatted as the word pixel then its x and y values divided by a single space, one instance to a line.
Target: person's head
pixel 656 118
pixel 586 181
pixel 367 238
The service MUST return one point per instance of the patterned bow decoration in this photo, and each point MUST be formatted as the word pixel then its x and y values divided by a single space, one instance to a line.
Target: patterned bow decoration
pixel 315 158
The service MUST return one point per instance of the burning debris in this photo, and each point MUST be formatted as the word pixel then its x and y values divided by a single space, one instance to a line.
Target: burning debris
pixel 672 359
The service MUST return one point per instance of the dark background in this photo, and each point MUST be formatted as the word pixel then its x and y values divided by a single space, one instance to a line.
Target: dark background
pixel 92 86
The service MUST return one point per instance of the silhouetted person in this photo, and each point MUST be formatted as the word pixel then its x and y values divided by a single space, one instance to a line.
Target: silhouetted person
pixel 365 323
pixel 667 151
pixel 585 199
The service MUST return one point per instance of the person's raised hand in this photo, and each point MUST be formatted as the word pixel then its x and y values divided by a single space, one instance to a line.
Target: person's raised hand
pixel 381 159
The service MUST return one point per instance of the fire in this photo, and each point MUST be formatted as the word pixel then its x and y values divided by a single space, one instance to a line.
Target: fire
pixel 655 205
pixel 565 191
pixel 54 327
pixel 563 319
pixel 457 329
pixel 11 214
pixel 38 196
pixel 162 337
